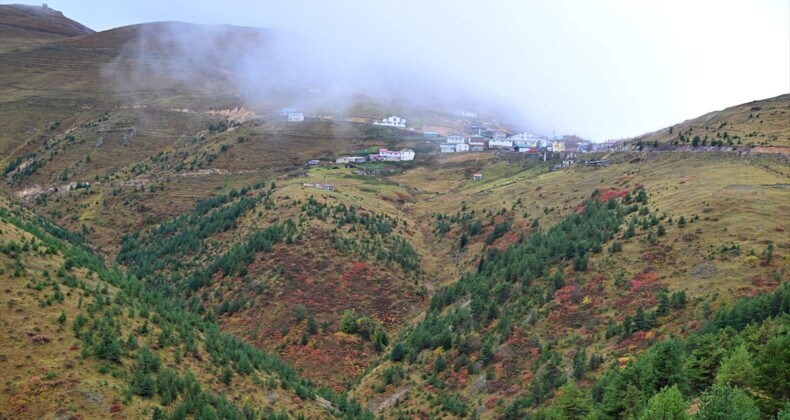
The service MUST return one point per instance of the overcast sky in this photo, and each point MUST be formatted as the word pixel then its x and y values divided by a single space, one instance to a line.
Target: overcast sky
pixel 600 69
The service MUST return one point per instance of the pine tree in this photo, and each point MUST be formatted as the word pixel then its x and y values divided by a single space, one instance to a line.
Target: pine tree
pixel 723 402
pixel 663 303
pixel 348 322
pixel 579 363
pixel 143 385
pixel 108 348
pixel 665 367
pixel 668 404
pixel 227 376
pixel 398 352
pixel 737 370
pixel 572 403
pixel 639 320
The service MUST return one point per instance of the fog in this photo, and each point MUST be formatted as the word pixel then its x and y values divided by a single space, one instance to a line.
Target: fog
pixel 603 70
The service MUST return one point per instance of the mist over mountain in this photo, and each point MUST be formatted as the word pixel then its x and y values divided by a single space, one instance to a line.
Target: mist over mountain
pixel 611 69
pixel 271 69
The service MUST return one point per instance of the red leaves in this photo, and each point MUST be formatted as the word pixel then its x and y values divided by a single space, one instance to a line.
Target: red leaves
pixel 358 271
pixel 606 194
pixel 116 407
pixel 644 280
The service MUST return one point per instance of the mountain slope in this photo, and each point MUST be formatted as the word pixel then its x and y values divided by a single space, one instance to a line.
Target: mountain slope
pixel 84 340
pixel 759 124
pixel 23 26
pixel 691 238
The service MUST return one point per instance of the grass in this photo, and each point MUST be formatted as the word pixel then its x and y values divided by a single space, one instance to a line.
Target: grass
pixel 761 124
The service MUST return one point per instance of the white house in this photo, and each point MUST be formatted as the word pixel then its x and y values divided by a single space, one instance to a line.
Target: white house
pixel 461 147
pixel 456 139
pixel 396 156
pixel 500 143
pixel 522 137
pixel 393 121
pixel 499 135
pixel 525 139
pixel 407 154
pixel 295 117
pixel 447 148
pixel 468 114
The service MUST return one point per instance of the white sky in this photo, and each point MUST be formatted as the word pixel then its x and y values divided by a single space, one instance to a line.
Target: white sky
pixel 597 69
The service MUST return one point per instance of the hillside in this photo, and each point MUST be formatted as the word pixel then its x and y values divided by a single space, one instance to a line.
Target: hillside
pixel 164 246
pixel 86 340
pixel 23 26
pixel 759 124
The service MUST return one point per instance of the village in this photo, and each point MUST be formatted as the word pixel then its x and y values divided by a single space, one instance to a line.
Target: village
pixel 567 147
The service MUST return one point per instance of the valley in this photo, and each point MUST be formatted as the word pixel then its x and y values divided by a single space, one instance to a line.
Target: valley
pixel 169 249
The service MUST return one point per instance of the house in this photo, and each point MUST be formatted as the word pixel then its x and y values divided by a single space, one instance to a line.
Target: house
pixel 476 141
pixel 455 139
pixel 396 156
pixel 313 162
pixel 467 114
pixel 295 117
pixel 477 177
pixel 524 147
pixel 430 134
pixel 447 148
pixel 350 159
pixel 286 111
pixel 566 162
pixel 574 144
pixel 597 162
pixel 523 137
pixel 393 121
pixel 557 146
pixel 407 154
pixel 326 187
pixel 500 143
pixel 461 147
pixel 478 149
pixel 499 135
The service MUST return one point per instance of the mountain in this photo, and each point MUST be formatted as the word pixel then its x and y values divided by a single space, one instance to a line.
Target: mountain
pixel 760 125
pixel 85 340
pixel 186 223
pixel 23 26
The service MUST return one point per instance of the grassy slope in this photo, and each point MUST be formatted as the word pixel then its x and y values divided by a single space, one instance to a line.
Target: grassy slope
pixel 743 210
pixel 761 124
pixel 46 369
